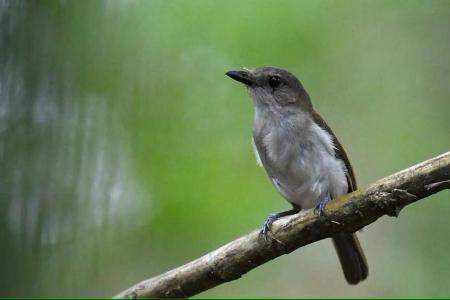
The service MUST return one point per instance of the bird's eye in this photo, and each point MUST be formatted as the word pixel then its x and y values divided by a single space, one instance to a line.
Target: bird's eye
pixel 274 81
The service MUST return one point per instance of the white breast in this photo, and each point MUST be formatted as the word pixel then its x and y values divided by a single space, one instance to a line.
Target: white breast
pixel 302 163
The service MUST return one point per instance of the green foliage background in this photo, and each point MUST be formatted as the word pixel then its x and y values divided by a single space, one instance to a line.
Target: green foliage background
pixel 125 151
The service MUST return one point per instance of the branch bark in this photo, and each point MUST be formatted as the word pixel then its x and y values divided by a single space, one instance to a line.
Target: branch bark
pixel 347 213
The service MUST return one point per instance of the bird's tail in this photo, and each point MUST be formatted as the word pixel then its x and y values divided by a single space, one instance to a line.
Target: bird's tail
pixel 351 256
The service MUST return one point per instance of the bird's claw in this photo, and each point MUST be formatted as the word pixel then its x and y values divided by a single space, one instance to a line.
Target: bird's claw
pixel 272 218
pixel 265 228
pixel 320 207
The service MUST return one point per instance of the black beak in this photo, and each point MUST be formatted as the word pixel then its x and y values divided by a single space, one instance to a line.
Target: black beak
pixel 241 76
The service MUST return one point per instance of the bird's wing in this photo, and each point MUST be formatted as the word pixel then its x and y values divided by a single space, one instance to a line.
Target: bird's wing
pixel 340 153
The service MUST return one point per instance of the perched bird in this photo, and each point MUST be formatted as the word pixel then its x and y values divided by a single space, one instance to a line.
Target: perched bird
pixel 301 155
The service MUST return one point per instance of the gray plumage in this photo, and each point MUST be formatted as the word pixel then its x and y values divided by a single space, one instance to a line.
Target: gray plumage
pixel 301 155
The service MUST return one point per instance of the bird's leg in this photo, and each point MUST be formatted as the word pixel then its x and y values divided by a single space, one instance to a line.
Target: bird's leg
pixel 273 217
pixel 320 207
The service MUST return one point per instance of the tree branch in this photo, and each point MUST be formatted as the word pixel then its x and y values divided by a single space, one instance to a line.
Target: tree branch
pixel 347 213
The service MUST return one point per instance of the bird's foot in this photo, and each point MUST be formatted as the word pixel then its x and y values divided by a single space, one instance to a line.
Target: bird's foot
pixel 265 228
pixel 320 207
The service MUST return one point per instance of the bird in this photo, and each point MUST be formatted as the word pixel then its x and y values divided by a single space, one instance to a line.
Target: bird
pixel 301 155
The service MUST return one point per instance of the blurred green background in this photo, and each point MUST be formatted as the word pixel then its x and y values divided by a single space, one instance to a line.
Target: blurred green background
pixel 125 151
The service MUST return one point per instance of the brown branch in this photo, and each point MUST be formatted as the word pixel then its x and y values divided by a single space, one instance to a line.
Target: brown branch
pixel 347 213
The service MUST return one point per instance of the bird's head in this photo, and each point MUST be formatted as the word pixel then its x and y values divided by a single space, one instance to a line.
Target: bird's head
pixel 274 88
